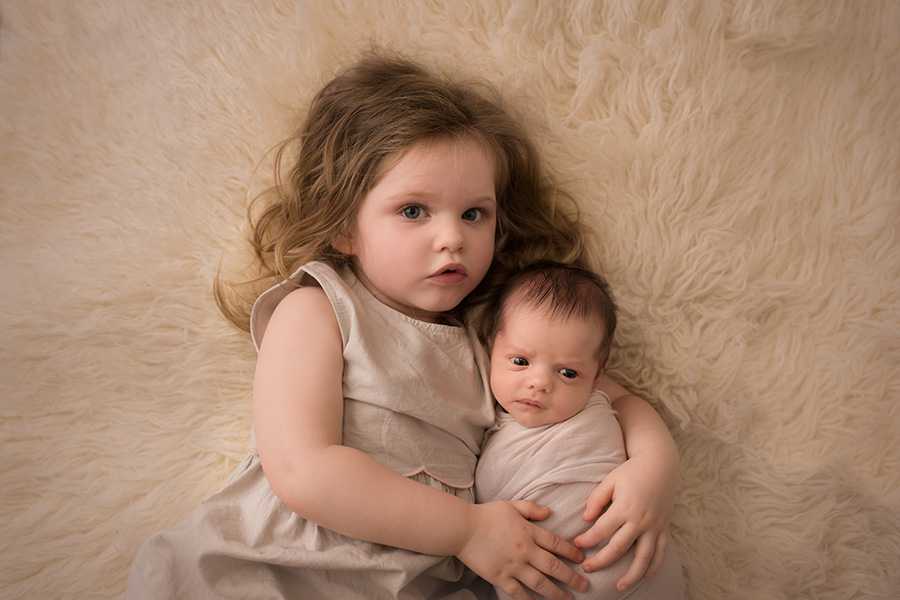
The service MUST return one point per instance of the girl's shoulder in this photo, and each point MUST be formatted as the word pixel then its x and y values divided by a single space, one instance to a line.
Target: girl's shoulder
pixel 315 277
pixel 304 314
pixel 304 303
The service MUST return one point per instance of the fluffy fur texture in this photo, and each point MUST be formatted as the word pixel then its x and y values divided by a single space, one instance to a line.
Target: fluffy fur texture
pixel 740 160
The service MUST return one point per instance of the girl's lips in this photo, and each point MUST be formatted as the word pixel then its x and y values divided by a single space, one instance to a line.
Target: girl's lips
pixel 449 274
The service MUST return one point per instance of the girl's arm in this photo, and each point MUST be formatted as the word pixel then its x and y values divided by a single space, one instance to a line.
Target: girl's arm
pixel 640 492
pixel 297 418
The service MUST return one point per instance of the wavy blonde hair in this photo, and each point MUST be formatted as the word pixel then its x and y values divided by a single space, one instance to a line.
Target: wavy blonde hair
pixel 361 121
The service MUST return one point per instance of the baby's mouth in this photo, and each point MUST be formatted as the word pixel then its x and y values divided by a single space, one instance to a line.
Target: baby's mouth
pixel 530 403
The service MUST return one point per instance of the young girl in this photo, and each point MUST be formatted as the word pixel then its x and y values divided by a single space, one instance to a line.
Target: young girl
pixel 408 199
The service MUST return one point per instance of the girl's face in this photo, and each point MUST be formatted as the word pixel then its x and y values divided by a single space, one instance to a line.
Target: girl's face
pixel 424 237
pixel 543 369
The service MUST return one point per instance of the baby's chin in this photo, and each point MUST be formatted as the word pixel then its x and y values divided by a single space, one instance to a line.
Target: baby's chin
pixel 529 416
pixel 533 415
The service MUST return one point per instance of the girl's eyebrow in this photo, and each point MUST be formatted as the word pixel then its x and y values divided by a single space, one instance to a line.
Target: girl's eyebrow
pixel 416 194
pixel 406 194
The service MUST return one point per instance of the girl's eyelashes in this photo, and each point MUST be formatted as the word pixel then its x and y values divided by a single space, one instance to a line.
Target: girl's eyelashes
pixel 412 212
pixel 416 211
pixel 474 214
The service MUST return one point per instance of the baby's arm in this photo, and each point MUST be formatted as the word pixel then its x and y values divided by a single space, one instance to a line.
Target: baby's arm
pixel 297 417
pixel 640 492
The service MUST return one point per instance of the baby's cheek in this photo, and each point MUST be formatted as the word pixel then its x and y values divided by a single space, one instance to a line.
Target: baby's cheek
pixel 503 387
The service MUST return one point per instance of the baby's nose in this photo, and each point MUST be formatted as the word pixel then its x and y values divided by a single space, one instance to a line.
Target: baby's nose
pixel 538 380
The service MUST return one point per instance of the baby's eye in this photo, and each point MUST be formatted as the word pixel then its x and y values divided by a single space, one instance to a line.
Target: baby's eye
pixel 519 361
pixel 568 373
pixel 412 212
pixel 473 214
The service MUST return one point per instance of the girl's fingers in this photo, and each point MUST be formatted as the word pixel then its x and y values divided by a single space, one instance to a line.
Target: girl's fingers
pixel 549 565
pixel 618 545
pixel 643 555
pixel 531 510
pixel 555 545
pixel 537 580
pixel 541 584
pixel 662 544
pixel 515 591
pixel 598 499
pixel 544 538
pixel 608 524
pixel 546 567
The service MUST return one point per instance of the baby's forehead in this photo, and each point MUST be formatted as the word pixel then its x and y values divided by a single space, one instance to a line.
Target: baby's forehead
pixel 519 303
pixel 592 325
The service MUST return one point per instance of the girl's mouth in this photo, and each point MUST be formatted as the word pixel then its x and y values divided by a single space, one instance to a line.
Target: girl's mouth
pixel 449 274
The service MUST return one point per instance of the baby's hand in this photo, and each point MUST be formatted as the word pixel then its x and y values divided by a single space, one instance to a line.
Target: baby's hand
pixel 507 550
pixel 639 514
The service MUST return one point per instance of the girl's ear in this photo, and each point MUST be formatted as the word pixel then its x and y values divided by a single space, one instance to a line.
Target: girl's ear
pixel 342 244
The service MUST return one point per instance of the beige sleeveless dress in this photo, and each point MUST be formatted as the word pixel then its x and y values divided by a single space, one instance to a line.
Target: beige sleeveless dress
pixel 416 400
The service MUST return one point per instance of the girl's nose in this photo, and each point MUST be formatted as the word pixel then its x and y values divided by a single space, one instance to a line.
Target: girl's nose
pixel 449 236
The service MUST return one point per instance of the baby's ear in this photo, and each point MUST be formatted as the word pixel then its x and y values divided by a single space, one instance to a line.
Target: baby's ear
pixel 599 375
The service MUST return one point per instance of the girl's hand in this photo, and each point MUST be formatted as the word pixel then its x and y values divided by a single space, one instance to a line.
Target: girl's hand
pixel 640 508
pixel 504 548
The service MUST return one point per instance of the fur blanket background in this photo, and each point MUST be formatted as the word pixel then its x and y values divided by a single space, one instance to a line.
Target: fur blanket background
pixel 740 159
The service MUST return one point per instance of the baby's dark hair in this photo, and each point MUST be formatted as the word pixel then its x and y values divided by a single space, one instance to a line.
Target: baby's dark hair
pixel 563 291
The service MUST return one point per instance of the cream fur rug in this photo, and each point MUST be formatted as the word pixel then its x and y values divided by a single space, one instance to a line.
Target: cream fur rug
pixel 741 160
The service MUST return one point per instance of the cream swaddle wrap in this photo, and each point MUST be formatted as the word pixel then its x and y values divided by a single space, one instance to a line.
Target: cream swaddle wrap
pixel 558 466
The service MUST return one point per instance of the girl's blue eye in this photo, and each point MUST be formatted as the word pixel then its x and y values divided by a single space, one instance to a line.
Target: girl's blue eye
pixel 473 214
pixel 412 212
pixel 568 373
pixel 519 361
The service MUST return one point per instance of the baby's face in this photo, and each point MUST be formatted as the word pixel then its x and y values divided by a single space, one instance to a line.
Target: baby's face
pixel 543 369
